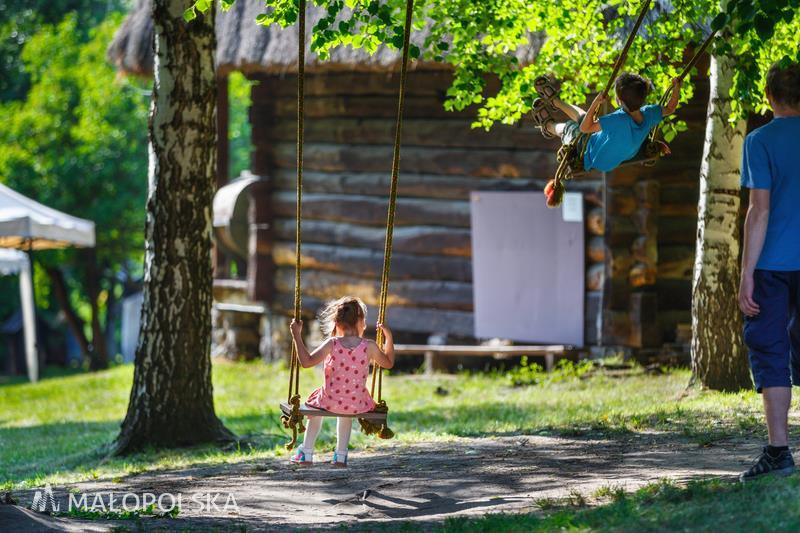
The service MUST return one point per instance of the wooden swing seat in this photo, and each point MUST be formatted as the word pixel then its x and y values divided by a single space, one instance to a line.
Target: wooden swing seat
pixel 307 410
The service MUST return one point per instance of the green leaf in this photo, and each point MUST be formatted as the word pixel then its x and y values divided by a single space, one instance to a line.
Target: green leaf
pixel 719 21
pixel 764 26
pixel 190 14
pixel 413 51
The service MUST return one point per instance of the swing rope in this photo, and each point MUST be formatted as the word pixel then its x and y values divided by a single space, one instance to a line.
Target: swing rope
pixel 685 72
pixel 294 421
pixel 377 371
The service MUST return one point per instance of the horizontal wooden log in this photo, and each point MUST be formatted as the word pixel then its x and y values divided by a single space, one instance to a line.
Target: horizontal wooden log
pixel 647 193
pixel 449 161
pixel 595 277
pixel 419 83
pixel 620 262
pixel 409 185
pixel 621 201
pixel 595 221
pixel 677 230
pixel 676 262
pixel 443 132
pixel 620 231
pixel 371 211
pixel 596 249
pixel 366 262
pixel 400 319
pixel 645 250
pixel 642 275
pixel 366 106
pixel 408 293
pixel 427 240
pixel 646 221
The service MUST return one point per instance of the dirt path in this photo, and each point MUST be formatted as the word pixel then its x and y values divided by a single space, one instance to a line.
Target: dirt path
pixel 420 482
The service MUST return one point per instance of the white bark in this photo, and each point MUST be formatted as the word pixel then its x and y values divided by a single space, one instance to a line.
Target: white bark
pixel 718 356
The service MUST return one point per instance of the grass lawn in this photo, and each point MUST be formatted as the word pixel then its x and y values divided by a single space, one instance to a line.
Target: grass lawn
pixel 58 430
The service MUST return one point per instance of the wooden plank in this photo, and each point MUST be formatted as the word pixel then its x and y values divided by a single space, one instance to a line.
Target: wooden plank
pixel 420 83
pixel 453 295
pixel 369 262
pixel 676 262
pixel 443 132
pixel 426 240
pixel 431 186
pixel 481 351
pixel 307 410
pixel 362 106
pixel 369 210
pixel 402 319
pixel 450 161
pixel 645 331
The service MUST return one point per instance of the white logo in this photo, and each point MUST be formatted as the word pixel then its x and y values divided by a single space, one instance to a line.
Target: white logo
pixel 44 502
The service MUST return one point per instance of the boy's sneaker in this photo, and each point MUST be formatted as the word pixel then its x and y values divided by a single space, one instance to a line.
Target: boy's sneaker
pixel 781 464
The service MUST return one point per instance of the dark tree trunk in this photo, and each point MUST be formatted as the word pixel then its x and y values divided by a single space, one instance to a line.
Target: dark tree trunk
pixel 171 401
pixel 74 322
pixel 99 355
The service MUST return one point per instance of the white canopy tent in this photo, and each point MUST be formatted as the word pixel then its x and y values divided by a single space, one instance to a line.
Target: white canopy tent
pixel 16 262
pixel 27 225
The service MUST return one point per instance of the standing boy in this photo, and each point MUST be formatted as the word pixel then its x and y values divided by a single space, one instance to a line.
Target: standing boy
pixel 769 294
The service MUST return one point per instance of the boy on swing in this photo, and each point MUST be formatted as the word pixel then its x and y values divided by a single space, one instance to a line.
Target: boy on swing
pixel 613 138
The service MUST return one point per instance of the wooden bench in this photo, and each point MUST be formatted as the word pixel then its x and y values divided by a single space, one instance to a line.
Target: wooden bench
pixel 433 353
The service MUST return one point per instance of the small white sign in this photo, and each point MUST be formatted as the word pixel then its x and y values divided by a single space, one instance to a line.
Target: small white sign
pixel 572 207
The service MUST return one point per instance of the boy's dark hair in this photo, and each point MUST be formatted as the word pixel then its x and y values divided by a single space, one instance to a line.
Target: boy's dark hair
pixel 783 83
pixel 632 90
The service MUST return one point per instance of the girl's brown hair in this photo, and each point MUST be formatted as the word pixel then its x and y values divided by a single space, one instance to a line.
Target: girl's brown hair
pixel 346 312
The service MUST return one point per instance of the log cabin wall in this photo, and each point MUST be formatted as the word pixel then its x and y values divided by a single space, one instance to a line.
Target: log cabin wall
pixel 640 235
pixel 650 233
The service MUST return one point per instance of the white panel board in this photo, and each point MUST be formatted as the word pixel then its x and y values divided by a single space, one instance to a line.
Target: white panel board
pixel 528 269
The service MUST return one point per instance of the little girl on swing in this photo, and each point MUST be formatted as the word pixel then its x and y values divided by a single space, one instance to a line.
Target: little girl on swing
pixel 346 355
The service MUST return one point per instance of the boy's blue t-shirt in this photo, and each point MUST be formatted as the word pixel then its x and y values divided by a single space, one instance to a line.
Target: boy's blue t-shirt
pixel 620 138
pixel 769 161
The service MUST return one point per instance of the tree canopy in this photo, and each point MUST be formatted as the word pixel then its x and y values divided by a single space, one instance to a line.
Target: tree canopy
pixel 580 40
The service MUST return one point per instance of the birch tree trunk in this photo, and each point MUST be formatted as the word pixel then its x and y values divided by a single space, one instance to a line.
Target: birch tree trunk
pixel 171 402
pixel 719 357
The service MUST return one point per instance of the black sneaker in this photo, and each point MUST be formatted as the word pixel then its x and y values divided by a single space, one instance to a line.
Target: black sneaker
pixel 782 465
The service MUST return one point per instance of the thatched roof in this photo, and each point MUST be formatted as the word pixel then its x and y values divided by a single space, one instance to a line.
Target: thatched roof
pixel 248 47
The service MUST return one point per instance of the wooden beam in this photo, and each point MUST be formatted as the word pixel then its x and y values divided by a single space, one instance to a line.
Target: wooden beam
pixel 427 240
pixel 369 262
pixel 324 285
pixel 407 319
pixel 459 162
pixel 369 210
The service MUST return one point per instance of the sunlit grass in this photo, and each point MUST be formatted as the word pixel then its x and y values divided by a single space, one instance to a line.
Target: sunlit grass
pixel 59 429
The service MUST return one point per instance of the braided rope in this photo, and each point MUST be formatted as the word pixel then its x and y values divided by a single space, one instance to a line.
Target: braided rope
pixel 294 421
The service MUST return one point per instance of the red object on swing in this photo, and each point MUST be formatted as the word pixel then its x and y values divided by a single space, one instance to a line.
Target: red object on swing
pixel 554 192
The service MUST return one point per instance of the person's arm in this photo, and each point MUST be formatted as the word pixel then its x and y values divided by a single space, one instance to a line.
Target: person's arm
pixel 672 105
pixel 590 124
pixel 307 360
pixel 755 231
pixel 384 357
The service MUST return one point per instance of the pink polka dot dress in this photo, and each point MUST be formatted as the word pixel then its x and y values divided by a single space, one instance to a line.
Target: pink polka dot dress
pixel 344 391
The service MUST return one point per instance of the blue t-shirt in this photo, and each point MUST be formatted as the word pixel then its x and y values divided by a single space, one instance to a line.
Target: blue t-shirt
pixel 620 138
pixel 769 161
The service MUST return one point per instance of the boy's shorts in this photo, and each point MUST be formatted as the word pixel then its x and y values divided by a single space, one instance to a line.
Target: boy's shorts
pixel 572 131
pixel 773 336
